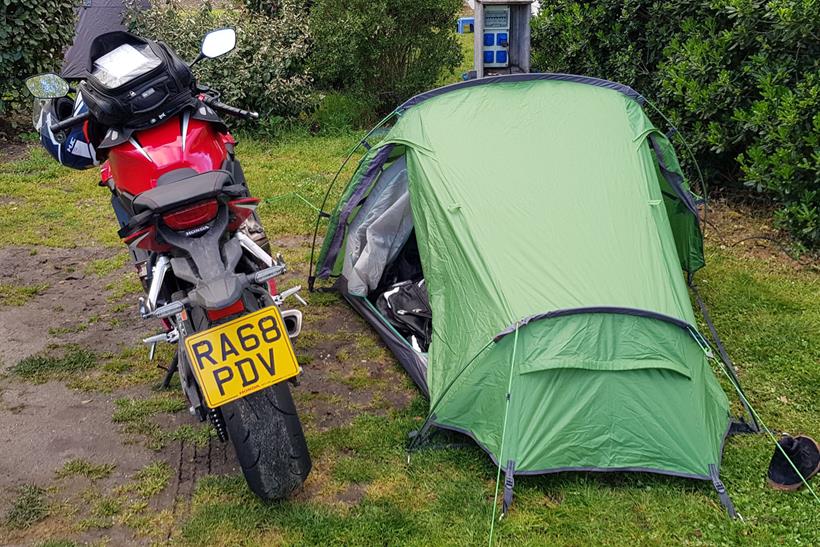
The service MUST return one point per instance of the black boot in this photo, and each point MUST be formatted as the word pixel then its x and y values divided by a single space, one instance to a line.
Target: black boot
pixel 804 452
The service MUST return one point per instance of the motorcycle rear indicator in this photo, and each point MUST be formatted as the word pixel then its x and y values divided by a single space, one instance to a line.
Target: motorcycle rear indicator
pixel 191 217
pixel 241 209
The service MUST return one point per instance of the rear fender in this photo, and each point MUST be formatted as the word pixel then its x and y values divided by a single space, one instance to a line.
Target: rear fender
pixel 203 250
pixel 211 267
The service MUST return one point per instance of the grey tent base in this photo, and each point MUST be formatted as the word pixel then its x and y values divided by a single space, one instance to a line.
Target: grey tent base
pixel 413 362
pixel 510 472
pixel 572 469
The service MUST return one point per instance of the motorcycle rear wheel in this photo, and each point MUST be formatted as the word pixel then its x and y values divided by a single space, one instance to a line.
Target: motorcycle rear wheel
pixel 266 433
pixel 270 445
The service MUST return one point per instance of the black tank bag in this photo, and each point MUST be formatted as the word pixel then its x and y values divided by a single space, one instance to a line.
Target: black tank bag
pixel 407 307
pixel 146 98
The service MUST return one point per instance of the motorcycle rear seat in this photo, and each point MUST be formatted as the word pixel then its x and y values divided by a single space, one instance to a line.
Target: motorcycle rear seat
pixel 182 192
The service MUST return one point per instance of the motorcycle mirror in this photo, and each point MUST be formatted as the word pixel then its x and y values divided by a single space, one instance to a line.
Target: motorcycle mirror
pixel 218 42
pixel 47 86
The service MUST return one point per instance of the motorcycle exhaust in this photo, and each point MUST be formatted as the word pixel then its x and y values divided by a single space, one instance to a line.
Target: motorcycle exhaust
pixel 293 322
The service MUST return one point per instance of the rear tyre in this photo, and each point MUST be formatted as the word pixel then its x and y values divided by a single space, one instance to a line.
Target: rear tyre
pixel 266 433
pixel 269 442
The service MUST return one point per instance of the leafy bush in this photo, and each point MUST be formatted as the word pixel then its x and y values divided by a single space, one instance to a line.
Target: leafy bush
pixel 267 71
pixel 272 7
pixel 739 78
pixel 383 50
pixel 268 7
pixel 33 35
pixel 785 155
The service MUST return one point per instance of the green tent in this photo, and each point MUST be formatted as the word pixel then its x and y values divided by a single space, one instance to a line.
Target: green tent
pixel 553 227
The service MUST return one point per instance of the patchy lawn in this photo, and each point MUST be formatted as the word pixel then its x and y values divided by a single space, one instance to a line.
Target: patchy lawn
pixel 110 458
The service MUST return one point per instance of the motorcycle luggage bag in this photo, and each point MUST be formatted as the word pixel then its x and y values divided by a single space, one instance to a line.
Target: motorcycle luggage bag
pixel 135 83
pixel 407 307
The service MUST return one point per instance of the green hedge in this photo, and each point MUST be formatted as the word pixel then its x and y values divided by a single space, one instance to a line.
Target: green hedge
pixel 384 51
pixel 739 78
pixel 33 35
pixel 267 71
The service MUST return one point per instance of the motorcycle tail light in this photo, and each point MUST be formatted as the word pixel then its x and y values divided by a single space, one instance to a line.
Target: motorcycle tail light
pixel 191 217
pixel 272 289
pixel 233 309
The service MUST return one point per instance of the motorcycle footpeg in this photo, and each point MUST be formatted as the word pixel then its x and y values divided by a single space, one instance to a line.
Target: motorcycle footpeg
pixel 294 292
pixel 170 337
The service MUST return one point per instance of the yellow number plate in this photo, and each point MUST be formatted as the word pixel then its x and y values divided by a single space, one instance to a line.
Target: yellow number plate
pixel 245 355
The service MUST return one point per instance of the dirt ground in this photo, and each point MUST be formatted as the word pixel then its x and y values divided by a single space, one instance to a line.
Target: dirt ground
pixel 749 228
pixel 11 150
pixel 55 419
pixel 71 296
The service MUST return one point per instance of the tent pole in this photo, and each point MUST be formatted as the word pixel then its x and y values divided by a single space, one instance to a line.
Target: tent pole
pixel 427 423
pixel 322 213
pixel 508 479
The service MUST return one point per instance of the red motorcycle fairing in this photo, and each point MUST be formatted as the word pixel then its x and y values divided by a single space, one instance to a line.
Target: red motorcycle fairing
pixel 180 142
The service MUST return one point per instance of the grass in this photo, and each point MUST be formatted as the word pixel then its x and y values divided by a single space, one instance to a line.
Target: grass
pixel 134 416
pixel 101 515
pixel 466 43
pixel 126 504
pixel 197 435
pixel 364 491
pixel 105 266
pixel 18 295
pixel 28 508
pixel 41 195
pixel 150 480
pixel 769 315
pixel 80 467
pixel 43 367
pixel 135 411
pixel 297 163
pixel 126 285
pixel 73 329
pixel 442 497
pixel 129 368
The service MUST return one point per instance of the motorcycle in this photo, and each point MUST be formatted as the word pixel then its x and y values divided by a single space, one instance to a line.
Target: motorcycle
pixel 190 224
